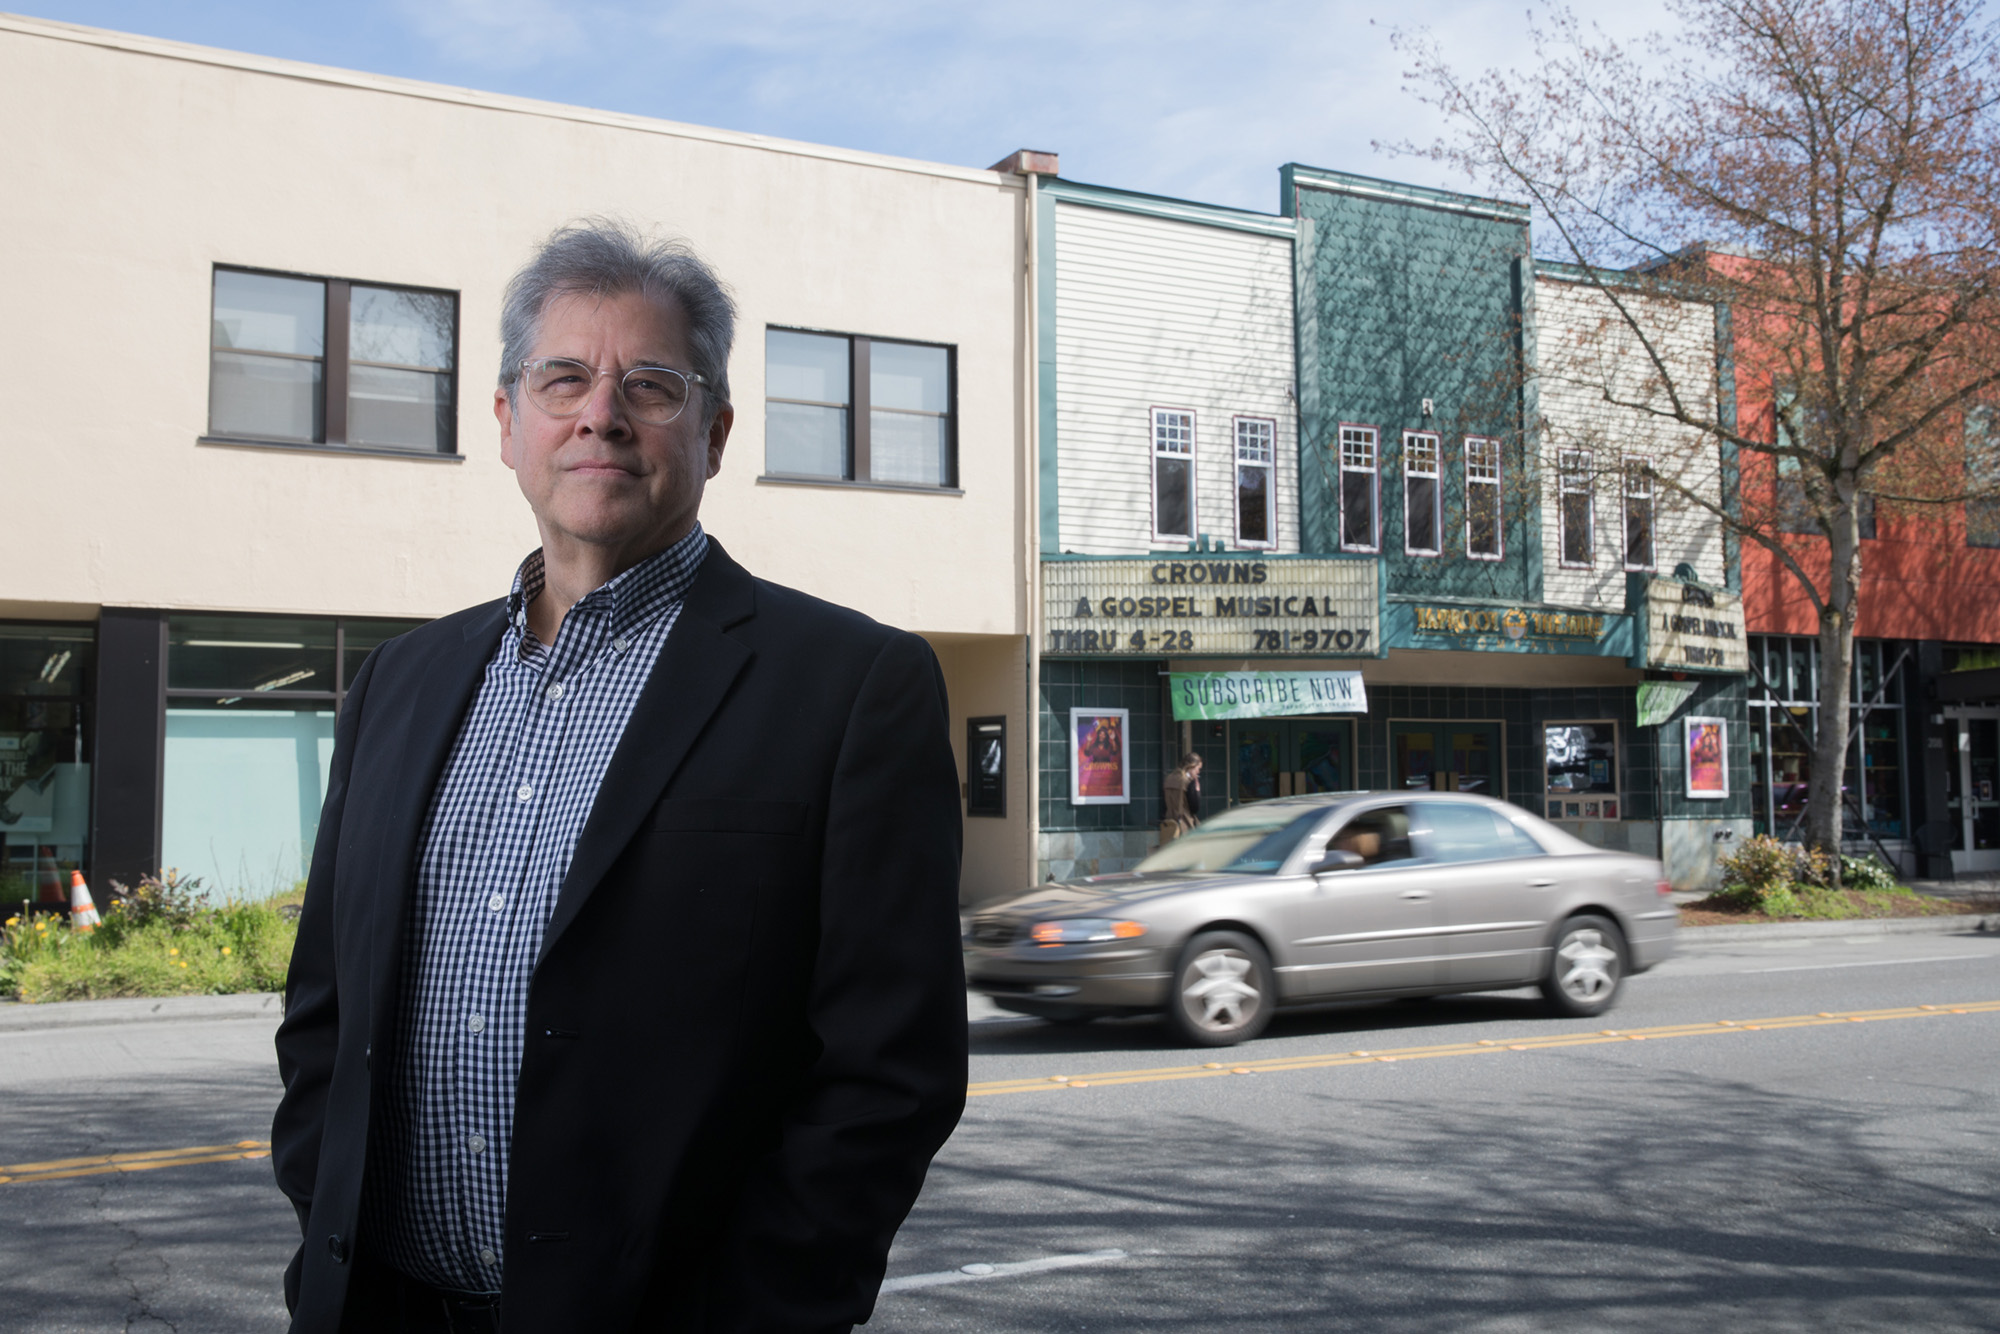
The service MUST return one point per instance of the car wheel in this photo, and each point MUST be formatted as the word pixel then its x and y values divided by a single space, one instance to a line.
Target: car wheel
pixel 1585 968
pixel 1224 990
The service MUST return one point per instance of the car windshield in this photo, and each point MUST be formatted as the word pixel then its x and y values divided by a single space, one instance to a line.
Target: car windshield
pixel 1251 840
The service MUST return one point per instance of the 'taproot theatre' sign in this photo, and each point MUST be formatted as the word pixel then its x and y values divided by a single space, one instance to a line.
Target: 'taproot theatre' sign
pixel 1225 605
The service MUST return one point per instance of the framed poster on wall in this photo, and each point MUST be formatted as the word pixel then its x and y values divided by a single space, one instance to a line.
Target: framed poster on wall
pixel 1100 757
pixel 986 766
pixel 1708 757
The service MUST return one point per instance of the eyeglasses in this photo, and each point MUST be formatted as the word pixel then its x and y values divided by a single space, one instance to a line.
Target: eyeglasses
pixel 652 394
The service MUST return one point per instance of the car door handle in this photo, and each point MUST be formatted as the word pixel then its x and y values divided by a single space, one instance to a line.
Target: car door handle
pixel 1416 894
pixel 1540 884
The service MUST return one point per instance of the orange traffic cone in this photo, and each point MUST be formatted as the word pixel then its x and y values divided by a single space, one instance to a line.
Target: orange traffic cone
pixel 82 909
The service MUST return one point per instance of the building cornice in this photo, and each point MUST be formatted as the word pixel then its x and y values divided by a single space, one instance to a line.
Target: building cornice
pixel 1177 210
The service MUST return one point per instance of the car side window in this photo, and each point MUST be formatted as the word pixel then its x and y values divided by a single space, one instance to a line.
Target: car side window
pixel 1459 831
pixel 1377 836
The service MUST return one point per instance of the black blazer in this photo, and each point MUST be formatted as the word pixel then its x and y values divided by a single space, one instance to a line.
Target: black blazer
pixel 746 1025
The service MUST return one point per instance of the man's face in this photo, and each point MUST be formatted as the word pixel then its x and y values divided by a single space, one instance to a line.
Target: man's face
pixel 602 479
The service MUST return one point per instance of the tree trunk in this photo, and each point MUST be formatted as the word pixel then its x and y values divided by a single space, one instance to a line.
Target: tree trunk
pixel 1836 679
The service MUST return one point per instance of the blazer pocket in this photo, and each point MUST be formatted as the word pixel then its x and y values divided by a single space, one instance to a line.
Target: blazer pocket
pixel 722 815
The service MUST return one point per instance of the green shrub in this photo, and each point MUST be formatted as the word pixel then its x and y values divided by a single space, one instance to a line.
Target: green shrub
pixel 1767 876
pixel 169 898
pixel 174 947
pixel 1866 874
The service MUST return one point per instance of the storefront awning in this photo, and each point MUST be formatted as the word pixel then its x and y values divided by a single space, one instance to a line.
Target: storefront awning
pixel 1219 695
pixel 1661 700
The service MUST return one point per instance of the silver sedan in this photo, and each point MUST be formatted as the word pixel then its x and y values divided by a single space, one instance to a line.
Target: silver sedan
pixel 1333 896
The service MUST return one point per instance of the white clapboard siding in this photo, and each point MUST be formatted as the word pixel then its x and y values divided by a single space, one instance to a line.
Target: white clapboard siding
pixel 1152 312
pixel 1584 347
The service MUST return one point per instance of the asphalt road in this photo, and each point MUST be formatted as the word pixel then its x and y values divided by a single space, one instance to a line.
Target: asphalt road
pixel 1502 1171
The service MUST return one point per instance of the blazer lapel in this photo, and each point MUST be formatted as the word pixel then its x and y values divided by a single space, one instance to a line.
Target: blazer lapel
pixel 696 667
pixel 437 709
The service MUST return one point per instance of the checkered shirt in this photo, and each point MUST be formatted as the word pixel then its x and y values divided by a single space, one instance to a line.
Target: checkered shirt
pixel 503 824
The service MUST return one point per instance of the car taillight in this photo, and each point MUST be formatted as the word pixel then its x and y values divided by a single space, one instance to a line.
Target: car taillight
pixel 1665 887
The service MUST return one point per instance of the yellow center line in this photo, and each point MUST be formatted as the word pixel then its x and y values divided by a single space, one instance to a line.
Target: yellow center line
pixel 142 1161
pixel 1486 1046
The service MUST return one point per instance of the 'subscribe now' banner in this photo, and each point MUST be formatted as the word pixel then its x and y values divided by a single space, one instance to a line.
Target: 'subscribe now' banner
pixel 1218 695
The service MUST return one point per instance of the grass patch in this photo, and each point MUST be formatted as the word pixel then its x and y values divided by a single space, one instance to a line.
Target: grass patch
pixel 169 942
pixel 1815 903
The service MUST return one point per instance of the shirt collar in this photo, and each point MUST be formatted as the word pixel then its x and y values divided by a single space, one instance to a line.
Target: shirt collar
pixel 629 600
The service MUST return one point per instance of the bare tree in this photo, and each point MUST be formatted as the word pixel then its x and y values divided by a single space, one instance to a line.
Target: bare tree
pixel 1827 172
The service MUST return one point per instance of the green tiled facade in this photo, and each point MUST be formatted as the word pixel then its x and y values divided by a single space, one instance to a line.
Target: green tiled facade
pixel 1405 295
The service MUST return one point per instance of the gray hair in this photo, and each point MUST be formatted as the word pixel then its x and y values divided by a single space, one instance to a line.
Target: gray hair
pixel 605 257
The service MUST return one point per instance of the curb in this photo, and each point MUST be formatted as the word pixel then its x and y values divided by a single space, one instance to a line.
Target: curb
pixel 1689 937
pixel 16 1017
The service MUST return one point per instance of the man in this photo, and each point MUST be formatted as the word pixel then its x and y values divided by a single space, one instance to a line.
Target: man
pixel 627 991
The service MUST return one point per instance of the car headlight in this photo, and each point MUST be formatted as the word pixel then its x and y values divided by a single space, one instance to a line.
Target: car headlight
pixel 1085 931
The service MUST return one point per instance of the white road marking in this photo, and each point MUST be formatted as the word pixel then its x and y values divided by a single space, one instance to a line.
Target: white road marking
pixel 1865 963
pixel 985 1271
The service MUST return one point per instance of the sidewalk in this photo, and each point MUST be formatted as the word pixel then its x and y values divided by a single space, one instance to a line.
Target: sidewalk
pixel 17 1017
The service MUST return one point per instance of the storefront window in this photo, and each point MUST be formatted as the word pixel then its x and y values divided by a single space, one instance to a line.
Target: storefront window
pixel 1580 761
pixel 46 677
pixel 234 656
pixel 1454 756
pixel 251 704
pixel 242 794
pixel 1783 719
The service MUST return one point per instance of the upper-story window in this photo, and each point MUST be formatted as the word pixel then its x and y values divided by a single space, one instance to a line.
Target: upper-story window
pixel 843 408
pixel 1573 505
pixel 1482 498
pixel 1173 474
pixel 1982 470
pixel 1256 496
pixel 1422 521
pixel 1359 460
pixel 1638 517
pixel 328 361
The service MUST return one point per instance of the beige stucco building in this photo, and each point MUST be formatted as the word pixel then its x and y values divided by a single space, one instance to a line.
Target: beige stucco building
pixel 265 296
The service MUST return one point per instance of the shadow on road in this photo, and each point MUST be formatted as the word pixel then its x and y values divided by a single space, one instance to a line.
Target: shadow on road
pixel 1566 1193
pixel 1146 1033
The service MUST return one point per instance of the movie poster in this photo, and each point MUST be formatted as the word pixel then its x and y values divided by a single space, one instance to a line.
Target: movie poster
pixel 1100 766
pixel 1707 757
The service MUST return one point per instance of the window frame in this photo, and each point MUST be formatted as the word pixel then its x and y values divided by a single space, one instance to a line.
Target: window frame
pixel 1497 482
pixel 1154 416
pixel 1436 476
pixel 1565 489
pixel 192 696
pixel 1643 474
pixel 1374 474
pixel 1236 425
pixel 860 416
pixel 335 363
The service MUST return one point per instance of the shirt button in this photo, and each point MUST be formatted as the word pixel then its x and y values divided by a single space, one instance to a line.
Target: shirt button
pixel 497 902
pixel 525 792
pixel 476 1143
pixel 621 644
pixel 476 1024
pixel 488 1256
pixel 554 691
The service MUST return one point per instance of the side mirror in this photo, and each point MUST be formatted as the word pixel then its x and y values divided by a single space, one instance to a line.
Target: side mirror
pixel 1337 859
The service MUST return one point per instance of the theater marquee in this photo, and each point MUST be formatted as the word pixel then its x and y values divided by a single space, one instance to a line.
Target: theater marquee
pixel 1223 606
pixel 1689 627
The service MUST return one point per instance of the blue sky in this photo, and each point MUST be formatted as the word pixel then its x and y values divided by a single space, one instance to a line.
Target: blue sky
pixel 1202 101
